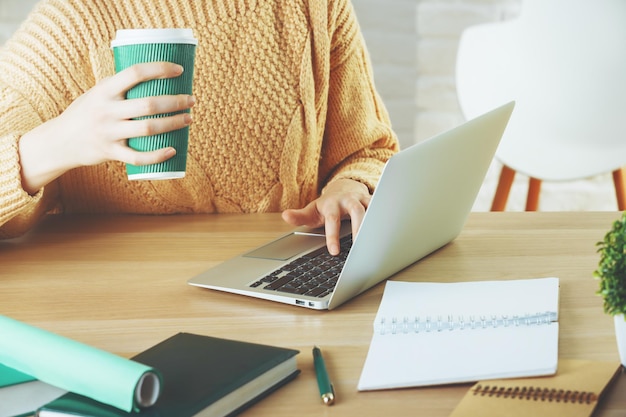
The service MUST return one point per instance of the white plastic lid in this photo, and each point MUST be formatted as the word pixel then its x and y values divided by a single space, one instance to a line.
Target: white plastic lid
pixel 125 37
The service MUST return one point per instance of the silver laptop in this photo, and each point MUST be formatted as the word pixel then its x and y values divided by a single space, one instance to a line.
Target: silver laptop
pixel 420 204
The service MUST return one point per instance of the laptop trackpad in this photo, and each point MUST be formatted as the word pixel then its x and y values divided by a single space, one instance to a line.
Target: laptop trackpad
pixel 287 246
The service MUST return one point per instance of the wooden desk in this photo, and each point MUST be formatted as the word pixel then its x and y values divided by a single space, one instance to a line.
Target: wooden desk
pixel 119 283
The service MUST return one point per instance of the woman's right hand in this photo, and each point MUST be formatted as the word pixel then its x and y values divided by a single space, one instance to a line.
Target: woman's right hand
pixel 95 127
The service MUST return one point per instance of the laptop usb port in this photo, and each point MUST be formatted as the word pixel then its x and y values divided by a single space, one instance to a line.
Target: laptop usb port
pixel 300 302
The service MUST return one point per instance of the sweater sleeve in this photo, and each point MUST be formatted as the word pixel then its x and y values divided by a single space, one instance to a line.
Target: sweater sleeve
pixel 39 67
pixel 18 210
pixel 358 137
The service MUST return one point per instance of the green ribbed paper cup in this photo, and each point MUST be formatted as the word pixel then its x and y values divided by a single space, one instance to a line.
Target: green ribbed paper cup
pixel 133 46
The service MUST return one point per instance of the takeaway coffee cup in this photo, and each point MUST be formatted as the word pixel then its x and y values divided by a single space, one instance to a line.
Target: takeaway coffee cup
pixel 133 46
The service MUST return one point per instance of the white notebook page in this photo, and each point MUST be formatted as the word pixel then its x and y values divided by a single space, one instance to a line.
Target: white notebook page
pixel 439 333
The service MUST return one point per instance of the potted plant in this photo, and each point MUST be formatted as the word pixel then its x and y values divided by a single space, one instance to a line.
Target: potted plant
pixel 612 275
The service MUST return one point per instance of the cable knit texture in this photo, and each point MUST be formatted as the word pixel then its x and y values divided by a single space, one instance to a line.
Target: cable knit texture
pixel 285 104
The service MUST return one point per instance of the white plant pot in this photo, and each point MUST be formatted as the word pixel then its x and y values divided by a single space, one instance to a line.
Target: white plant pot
pixel 620 335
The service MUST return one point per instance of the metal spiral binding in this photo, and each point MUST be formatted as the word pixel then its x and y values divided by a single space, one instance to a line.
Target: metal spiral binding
pixel 408 325
pixel 536 394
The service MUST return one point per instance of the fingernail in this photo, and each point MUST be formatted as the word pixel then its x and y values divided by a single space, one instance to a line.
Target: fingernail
pixel 334 250
pixel 188 119
pixel 191 100
pixel 169 152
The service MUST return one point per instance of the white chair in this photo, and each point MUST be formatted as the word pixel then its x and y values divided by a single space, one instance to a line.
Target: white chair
pixel 564 63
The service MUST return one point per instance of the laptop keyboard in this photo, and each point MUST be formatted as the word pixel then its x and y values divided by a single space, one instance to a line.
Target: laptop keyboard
pixel 314 274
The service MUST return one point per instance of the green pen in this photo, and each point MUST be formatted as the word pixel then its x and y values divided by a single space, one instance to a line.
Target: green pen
pixel 323 381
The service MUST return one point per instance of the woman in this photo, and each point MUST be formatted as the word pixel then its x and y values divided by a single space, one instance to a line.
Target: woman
pixel 285 113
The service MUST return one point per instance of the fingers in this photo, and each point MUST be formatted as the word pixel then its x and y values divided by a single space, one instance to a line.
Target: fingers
pixel 332 226
pixel 133 75
pixel 127 118
pixel 307 216
pixel 130 156
pixel 153 105
pixel 330 210
pixel 100 121
pixel 152 126
pixel 356 211
pixel 350 207
pixel 127 110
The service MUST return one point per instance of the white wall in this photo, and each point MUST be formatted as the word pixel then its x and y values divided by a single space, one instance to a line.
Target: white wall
pixel 12 12
pixel 413 46
pixel 432 28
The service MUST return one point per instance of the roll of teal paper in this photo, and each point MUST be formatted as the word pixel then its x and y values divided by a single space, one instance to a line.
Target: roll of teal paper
pixel 77 367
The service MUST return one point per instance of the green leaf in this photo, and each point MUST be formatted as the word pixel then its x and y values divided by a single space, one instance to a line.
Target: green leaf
pixel 611 271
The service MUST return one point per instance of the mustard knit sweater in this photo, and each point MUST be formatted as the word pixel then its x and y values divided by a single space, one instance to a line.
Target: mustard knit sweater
pixel 285 104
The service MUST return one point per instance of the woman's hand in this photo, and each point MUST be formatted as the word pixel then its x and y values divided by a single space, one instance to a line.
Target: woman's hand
pixel 96 126
pixel 340 199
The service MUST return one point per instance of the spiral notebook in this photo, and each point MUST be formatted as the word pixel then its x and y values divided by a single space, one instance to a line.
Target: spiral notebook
pixel 574 391
pixel 429 333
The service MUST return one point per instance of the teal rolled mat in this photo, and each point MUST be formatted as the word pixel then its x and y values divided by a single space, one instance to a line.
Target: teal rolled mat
pixel 76 367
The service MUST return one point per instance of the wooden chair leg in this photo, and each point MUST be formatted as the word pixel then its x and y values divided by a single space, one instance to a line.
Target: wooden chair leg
pixel 504 187
pixel 532 198
pixel 619 181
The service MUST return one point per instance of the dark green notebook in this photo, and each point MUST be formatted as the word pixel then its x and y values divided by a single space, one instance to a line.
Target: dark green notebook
pixel 202 376
pixel 9 376
pixel 21 394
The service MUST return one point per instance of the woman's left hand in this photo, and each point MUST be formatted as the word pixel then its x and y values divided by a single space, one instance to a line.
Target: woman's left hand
pixel 341 199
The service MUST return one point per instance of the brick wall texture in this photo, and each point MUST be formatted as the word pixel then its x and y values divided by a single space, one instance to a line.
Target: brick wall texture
pixel 413 45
